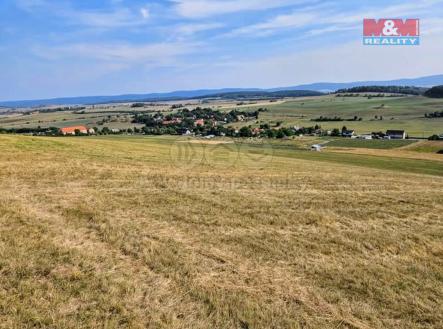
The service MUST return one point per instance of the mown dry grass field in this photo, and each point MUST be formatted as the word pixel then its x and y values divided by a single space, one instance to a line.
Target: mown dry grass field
pixel 125 233
pixel 423 150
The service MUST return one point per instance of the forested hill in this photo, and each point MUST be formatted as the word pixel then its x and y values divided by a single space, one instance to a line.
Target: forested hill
pixel 405 90
pixel 435 92
pixel 263 94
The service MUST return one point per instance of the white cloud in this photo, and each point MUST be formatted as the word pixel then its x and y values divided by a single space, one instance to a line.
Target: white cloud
pixel 29 5
pixel 115 17
pixel 145 13
pixel 112 19
pixel 289 21
pixel 134 66
pixel 207 8
pixel 189 29
pixel 127 54
pixel 344 62
pixel 325 18
pixel 432 26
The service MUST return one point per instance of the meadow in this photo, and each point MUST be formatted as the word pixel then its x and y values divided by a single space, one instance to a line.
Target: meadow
pixel 371 144
pixel 165 232
pixel 114 116
pixel 401 113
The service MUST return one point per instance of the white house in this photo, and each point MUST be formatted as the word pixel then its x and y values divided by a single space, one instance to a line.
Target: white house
pixel 348 133
pixel 316 148
pixel 368 137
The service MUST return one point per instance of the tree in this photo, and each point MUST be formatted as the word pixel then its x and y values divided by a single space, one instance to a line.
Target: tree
pixel 270 133
pixel 280 134
pixel 245 132
pixel 335 132
pixel 434 138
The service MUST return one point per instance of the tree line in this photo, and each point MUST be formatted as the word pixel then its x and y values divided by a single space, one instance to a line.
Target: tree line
pixel 406 90
pixel 434 115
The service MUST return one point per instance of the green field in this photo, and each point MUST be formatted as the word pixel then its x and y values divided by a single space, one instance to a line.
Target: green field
pixel 160 232
pixel 115 116
pixel 370 144
pixel 404 113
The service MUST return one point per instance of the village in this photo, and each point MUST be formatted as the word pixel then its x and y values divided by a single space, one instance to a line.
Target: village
pixel 251 132
pixel 209 123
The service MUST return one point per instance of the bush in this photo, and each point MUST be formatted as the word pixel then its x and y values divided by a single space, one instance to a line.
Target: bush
pixel 335 132
pixel 245 132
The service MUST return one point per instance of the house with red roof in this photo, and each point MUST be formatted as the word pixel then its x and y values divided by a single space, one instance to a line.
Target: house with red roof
pixel 73 129
pixel 199 122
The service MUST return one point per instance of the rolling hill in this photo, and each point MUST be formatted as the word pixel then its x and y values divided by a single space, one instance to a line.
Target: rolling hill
pixel 428 81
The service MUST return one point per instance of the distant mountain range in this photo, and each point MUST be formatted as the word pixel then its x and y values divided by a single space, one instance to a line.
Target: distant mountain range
pixel 305 90
pixel 261 94
pixel 429 81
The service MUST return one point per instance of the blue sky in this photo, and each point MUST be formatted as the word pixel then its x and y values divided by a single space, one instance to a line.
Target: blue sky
pixel 51 48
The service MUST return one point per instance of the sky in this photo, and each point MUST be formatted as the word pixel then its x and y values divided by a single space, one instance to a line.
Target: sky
pixel 58 48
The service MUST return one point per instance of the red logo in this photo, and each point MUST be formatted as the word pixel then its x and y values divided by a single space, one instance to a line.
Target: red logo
pixel 391 28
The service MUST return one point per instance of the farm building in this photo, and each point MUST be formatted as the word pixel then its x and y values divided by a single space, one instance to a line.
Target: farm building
pixel 73 129
pixel 396 134
pixel 316 148
pixel 348 133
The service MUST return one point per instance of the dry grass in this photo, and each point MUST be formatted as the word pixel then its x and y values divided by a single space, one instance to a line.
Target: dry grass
pixel 425 146
pixel 422 150
pixel 403 153
pixel 113 233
